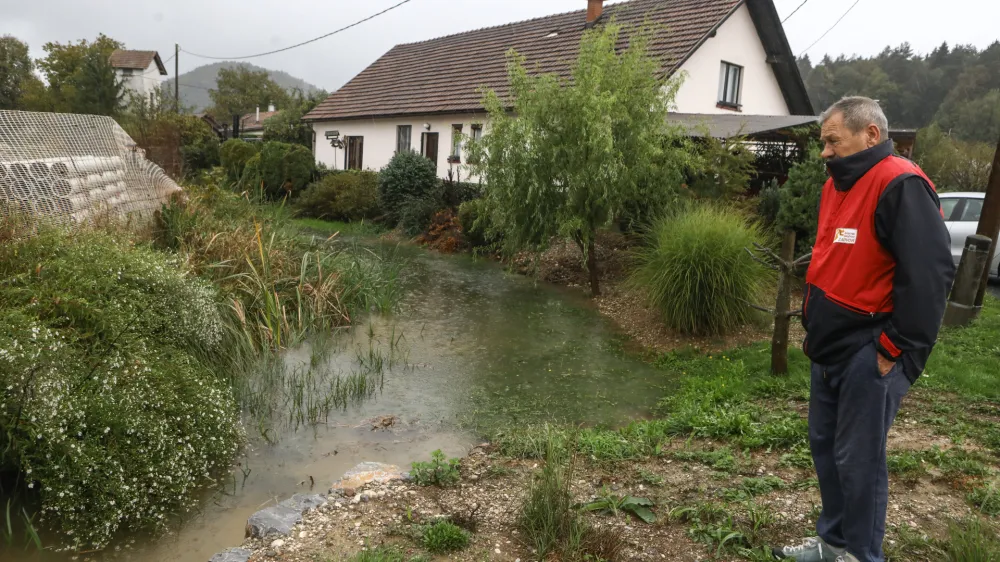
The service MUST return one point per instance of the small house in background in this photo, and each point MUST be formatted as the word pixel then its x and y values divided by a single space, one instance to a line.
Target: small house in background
pixel 141 71
pixel 426 96
pixel 252 124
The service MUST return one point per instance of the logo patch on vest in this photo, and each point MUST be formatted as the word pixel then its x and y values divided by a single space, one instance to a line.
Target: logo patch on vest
pixel 845 236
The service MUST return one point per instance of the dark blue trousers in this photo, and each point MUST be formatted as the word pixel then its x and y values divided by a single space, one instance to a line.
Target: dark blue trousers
pixel 851 407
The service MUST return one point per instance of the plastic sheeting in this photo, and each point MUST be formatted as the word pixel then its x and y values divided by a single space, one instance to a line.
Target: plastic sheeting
pixel 68 168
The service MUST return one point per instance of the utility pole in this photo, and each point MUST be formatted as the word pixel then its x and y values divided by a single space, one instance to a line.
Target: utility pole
pixel 177 79
pixel 989 223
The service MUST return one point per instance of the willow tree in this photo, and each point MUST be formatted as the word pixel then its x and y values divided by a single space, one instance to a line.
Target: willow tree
pixel 564 156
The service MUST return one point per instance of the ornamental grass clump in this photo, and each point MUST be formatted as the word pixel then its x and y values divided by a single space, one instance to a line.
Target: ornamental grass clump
pixel 111 418
pixel 696 270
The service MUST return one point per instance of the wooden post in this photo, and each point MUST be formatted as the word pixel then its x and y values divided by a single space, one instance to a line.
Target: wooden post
pixel 177 79
pixel 989 224
pixel 782 319
pixel 962 307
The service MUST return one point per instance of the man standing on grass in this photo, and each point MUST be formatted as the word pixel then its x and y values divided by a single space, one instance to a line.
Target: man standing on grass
pixel 875 295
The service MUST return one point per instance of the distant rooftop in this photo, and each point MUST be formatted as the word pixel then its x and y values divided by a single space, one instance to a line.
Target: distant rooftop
pixel 137 60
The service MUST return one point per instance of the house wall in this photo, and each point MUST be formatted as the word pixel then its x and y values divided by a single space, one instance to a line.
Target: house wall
pixel 736 42
pixel 143 82
pixel 380 139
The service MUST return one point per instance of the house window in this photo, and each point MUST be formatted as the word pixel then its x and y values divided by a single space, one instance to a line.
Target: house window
pixel 456 144
pixel 403 134
pixel 477 132
pixel 126 72
pixel 730 85
pixel 354 151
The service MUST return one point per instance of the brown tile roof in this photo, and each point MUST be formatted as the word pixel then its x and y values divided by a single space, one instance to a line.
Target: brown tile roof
pixel 249 121
pixel 136 60
pixel 445 74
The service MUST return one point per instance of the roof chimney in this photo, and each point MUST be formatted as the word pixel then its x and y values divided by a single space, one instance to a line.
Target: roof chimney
pixel 594 10
pixel 258 115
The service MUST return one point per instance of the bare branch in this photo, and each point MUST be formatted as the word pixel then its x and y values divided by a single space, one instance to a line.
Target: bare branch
pixel 804 260
pixel 793 313
pixel 761 261
pixel 782 264
pixel 758 307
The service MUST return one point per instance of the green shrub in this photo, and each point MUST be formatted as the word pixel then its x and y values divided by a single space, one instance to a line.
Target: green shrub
pixel 437 472
pixel 348 196
pixel 454 193
pixel 407 177
pixel 473 218
pixel 696 270
pixel 200 148
pixel 283 169
pixel 443 537
pixel 111 416
pixel 417 212
pixel 235 154
pixel 799 200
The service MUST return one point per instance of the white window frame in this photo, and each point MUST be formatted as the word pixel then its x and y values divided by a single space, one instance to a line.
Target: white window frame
pixel 409 137
pixel 731 85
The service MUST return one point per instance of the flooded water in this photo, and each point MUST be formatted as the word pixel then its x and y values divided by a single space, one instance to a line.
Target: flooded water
pixel 471 347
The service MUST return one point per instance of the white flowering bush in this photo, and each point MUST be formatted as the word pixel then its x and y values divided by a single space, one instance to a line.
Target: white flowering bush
pixel 110 415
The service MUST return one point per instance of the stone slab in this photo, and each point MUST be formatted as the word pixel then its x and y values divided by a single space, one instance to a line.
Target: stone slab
pixel 368 473
pixel 232 555
pixel 273 520
pixel 304 503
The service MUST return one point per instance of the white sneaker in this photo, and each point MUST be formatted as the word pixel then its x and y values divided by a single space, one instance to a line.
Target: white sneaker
pixel 813 549
pixel 847 557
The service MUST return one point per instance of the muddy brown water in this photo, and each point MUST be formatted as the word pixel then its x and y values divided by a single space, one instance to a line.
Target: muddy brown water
pixel 473 347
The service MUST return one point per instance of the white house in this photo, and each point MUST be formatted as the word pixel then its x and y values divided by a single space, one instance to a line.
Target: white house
pixel 424 96
pixel 140 71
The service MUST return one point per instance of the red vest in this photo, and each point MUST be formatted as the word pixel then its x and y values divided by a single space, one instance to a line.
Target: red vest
pixel 848 262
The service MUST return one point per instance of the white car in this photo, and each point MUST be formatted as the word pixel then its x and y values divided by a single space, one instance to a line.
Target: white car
pixel 961 215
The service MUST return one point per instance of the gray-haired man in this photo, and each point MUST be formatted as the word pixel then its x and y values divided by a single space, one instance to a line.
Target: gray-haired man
pixel 875 295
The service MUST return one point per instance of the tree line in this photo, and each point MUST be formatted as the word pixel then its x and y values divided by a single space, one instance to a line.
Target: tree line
pixel 77 77
pixel 951 94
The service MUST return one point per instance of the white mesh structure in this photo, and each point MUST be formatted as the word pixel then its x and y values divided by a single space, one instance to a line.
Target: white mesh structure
pixel 67 168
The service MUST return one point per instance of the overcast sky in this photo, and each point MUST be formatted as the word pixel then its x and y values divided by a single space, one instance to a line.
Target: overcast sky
pixel 228 28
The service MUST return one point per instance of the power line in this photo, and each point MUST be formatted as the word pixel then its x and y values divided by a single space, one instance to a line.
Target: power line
pixel 170 58
pixel 795 11
pixel 831 28
pixel 389 9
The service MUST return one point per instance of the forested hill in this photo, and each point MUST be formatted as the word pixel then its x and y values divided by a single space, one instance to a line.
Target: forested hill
pixel 958 88
pixel 195 95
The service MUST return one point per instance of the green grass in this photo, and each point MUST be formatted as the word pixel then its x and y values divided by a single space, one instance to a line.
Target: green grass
pixel 750 488
pixel 985 498
pixel 385 554
pixel 443 537
pixel 359 228
pixel 721 459
pixel 967 360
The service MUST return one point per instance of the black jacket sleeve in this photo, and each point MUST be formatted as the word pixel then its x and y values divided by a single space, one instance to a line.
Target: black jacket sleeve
pixel 908 223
